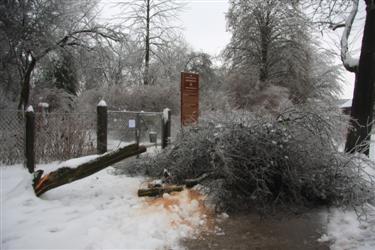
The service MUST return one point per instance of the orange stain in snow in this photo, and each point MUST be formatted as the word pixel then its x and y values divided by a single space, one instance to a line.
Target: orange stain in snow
pixel 179 200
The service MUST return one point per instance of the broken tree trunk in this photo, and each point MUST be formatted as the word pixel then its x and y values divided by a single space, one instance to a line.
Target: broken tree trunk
pixel 158 191
pixel 65 175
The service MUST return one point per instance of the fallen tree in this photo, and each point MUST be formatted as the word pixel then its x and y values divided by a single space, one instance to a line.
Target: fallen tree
pixel 65 175
pixel 289 159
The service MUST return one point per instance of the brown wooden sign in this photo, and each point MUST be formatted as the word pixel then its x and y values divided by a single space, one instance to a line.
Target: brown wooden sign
pixel 189 98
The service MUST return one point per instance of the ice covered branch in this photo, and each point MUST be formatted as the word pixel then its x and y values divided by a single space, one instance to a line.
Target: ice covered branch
pixel 350 63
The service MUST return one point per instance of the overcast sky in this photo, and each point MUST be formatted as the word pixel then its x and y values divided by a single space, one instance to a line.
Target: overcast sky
pixel 204 24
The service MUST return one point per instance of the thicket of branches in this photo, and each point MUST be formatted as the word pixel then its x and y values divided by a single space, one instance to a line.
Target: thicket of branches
pixel 135 98
pixel 252 160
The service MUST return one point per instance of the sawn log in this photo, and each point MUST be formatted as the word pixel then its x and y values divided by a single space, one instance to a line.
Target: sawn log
pixel 158 191
pixel 65 175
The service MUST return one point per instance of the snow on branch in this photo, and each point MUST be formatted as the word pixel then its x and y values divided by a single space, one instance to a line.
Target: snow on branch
pixel 350 63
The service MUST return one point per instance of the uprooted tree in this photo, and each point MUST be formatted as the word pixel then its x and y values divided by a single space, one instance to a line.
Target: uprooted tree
pixel 65 175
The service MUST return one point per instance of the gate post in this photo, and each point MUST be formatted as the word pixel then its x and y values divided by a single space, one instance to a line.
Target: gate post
pixel 30 139
pixel 166 128
pixel 101 128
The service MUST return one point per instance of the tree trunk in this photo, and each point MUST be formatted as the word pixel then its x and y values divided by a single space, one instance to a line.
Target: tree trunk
pixel 363 97
pixel 264 41
pixel 147 52
pixel 26 85
pixel 65 175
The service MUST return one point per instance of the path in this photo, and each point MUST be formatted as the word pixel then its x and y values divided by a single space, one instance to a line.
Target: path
pixel 281 231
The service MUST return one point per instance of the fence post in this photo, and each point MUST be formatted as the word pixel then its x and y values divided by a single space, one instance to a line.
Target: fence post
pixel 166 128
pixel 137 130
pixel 30 139
pixel 101 128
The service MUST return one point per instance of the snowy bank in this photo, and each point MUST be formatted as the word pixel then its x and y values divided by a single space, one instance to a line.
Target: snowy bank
pixel 97 212
pixel 345 231
pixel 348 230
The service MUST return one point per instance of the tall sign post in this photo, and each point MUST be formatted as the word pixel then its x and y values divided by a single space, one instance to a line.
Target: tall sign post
pixel 189 98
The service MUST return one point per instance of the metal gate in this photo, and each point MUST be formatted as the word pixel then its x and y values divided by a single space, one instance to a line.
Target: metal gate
pixel 126 127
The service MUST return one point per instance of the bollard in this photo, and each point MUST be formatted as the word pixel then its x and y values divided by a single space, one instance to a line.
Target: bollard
pixel 166 128
pixel 30 139
pixel 101 129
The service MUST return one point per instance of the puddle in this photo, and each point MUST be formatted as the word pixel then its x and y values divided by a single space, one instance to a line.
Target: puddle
pixel 240 231
pixel 250 231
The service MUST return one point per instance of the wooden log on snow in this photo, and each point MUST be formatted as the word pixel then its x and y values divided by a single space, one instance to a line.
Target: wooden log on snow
pixel 65 175
pixel 158 191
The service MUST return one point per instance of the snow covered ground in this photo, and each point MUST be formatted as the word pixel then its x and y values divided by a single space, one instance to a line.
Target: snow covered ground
pixel 98 212
pixel 103 211
pixel 345 231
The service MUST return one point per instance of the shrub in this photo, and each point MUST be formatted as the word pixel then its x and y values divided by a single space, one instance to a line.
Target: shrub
pixel 62 136
pixel 253 160
pixel 58 99
pixel 147 98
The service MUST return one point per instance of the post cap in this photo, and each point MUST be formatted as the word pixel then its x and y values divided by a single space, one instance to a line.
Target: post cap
pixel 102 103
pixel 166 113
pixel 30 109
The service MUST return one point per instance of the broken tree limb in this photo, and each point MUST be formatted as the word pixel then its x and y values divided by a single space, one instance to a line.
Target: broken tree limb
pixel 37 176
pixel 158 191
pixel 65 175
pixel 192 182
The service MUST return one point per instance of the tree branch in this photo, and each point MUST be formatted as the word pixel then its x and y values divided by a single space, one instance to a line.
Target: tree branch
pixel 349 63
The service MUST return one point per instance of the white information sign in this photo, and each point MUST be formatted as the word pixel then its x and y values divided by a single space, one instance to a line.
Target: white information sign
pixel 131 123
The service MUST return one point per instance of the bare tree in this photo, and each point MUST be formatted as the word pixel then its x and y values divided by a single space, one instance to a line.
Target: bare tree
pixel 111 64
pixel 264 35
pixel 151 22
pixel 34 28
